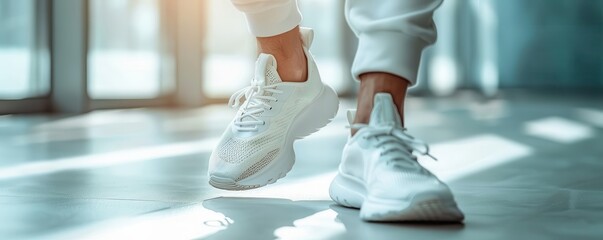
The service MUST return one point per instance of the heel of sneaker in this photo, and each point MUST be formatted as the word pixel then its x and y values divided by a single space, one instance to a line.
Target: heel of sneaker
pixel 318 114
pixel 347 192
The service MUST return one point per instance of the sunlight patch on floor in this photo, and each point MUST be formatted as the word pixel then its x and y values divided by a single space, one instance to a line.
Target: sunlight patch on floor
pixel 323 224
pixel 107 159
pixel 463 157
pixel 592 116
pixel 558 129
pixel 180 223
pixel 315 187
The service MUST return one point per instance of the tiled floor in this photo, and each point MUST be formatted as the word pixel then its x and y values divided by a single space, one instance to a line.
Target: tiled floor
pixel 522 167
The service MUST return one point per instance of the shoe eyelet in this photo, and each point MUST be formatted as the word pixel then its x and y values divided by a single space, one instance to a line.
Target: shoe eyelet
pixel 264 123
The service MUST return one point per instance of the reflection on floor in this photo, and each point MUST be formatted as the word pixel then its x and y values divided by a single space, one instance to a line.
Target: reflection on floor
pixel 523 167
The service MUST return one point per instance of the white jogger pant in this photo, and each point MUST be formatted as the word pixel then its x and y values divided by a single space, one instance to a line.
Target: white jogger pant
pixel 392 33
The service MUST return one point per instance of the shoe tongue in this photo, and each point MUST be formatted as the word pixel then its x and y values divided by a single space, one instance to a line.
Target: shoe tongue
pixel 265 74
pixel 384 111
pixel 265 70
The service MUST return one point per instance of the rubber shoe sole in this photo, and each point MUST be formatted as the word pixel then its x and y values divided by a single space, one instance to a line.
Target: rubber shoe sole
pixel 428 206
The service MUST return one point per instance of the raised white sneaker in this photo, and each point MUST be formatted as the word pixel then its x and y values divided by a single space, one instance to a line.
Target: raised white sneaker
pixel 257 147
pixel 380 175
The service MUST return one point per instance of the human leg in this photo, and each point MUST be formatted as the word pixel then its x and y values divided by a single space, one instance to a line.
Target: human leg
pixel 379 172
pixel 274 23
pixel 392 35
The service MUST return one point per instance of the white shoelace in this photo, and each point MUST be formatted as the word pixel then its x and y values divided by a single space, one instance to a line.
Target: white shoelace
pixel 395 139
pixel 256 103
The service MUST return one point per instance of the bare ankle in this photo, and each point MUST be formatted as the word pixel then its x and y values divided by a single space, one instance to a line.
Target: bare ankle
pixel 288 50
pixel 376 82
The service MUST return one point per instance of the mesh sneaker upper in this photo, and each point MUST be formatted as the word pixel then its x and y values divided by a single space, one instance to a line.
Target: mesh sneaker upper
pixel 381 155
pixel 262 132
pixel 235 150
pixel 258 166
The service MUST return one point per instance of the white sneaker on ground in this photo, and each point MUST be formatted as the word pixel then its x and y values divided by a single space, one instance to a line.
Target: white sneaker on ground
pixel 257 147
pixel 380 175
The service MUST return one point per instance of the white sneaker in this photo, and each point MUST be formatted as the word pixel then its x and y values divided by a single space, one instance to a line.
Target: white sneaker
pixel 380 175
pixel 257 147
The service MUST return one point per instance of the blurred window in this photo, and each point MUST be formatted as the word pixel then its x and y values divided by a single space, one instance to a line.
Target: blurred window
pixel 327 20
pixel 229 50
pixel 24 55
pixel 125 58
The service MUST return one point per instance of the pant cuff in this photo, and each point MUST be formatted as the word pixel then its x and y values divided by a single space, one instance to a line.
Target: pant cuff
pixel 389 52
pixel 274 21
